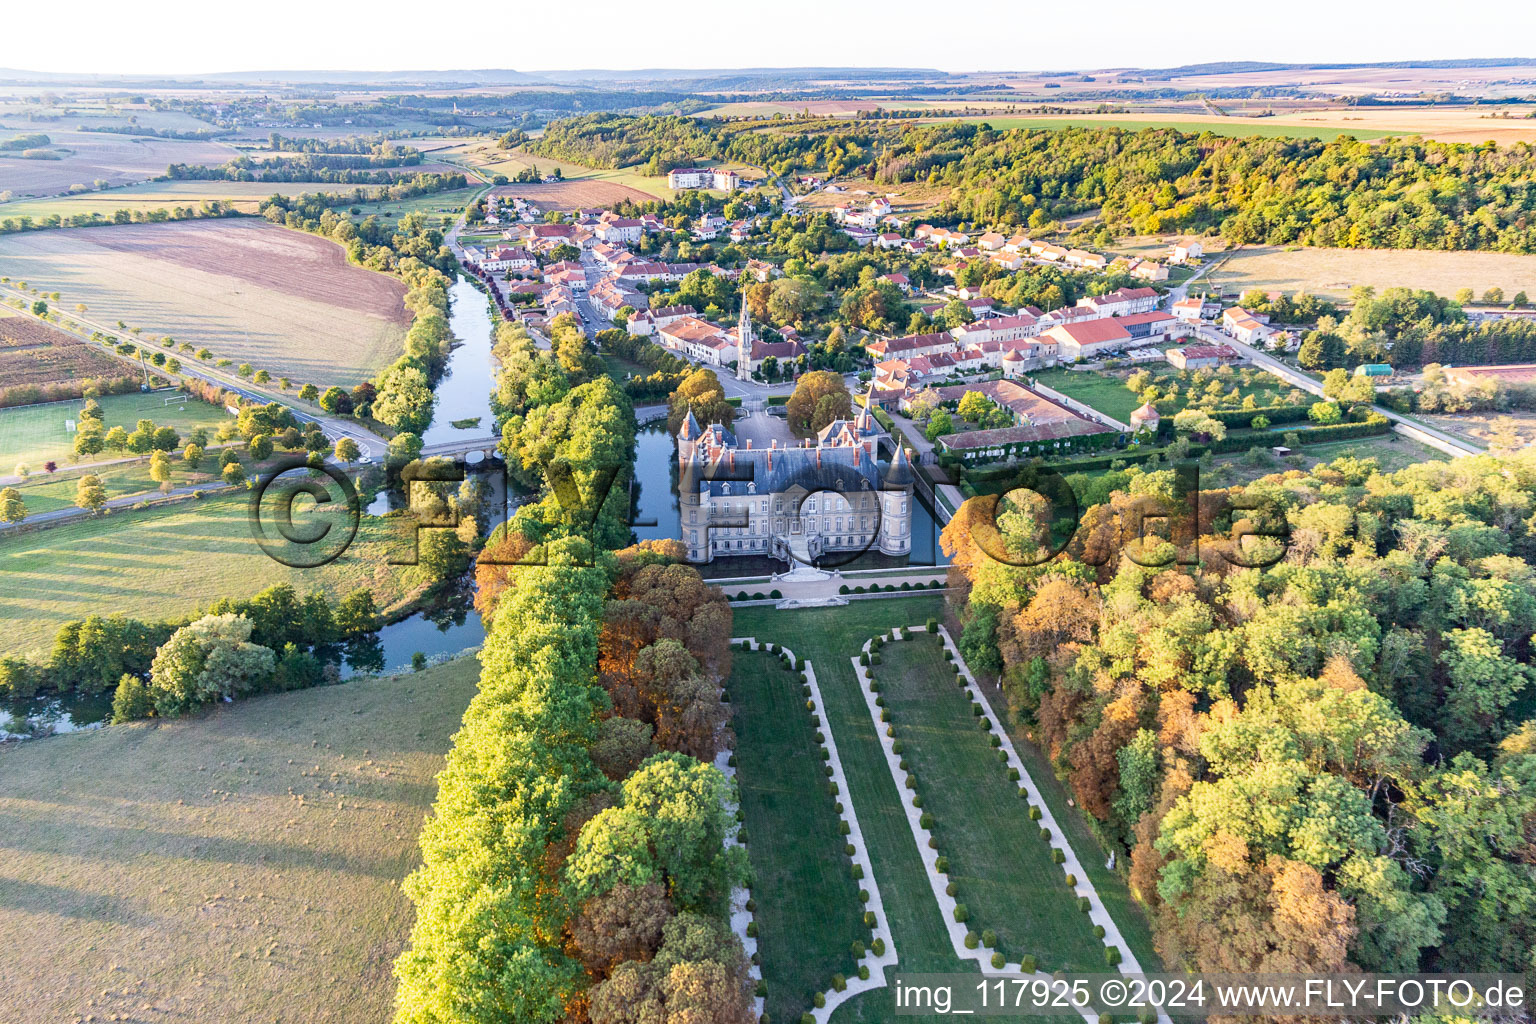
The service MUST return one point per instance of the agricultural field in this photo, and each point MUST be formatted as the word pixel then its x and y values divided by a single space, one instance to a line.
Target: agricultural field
pixel 1479 427
pixel 34 434
pixel 164 562
pixel 229 866
pixel 483 156
pixel 793 838
pixel 32 352
pixel 1333 272
pixel 1194 124
pixel 87 157
pixel 250 291
pixel 439 204
pixel 161 195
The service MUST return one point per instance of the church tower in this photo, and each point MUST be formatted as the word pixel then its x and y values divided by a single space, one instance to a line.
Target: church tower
pixel 744 342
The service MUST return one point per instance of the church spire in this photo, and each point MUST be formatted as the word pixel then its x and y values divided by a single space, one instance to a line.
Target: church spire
pixel 744 341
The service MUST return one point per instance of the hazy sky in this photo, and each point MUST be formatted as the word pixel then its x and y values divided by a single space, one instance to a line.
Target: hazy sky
pixel 181 37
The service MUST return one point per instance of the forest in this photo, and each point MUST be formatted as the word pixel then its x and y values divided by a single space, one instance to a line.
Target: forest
pixel 1404 193
pixel 1328 764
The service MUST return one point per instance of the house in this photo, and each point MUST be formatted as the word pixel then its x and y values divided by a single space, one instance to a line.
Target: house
pixel 1145 328
pixel 860 236
pixel 1007 260
pixel 1189 310
pixel 888 240
pixel 552 233
pixel 1122 301
pixel 703 177
pixel 1087 339
pixel 880 206
pixel 999 329
pixel 910 346
pixel 1185 250
pixel 1146 416
pixel 992 241
pixel 741 231
pixel 1244 326
pixel 569 274
pixel 1149 270
pixel 1084 258
pixel 619 230
pixel 647 321
pixel 761 270
pixel 1200 357
pixel 610 295
pixel 1021 357
pixel 901 281
pixel 1047 252
pixel 507 258
pixel 697 339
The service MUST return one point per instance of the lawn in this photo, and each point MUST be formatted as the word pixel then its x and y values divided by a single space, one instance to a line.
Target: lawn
pixel 808 911
pixel 250 291
pixel 1106 391
pixel 829 637
pixel 1001 867
pixel 240 865
pixel 35 434
pixel 166 562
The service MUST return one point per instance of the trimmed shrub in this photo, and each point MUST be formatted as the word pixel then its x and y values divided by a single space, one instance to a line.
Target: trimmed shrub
pixel 863 895
pixel 998 961
pixel 874 659
pixel 926 821
pixel 1111 955
pixel 751 929
pixel 995 740
pixel 1045 834
pixel 775 594
pixel 962 913
pixel 1071 881
pixel 863 972
pixel 849 850
pixel 898 747
pixel 933 842
pixel 1098 931
pixel 858 872
pixel 989 938
pixel 843 827
pixel 1105 1018
pixel 1027 965
pixel 1013 775
pixel 832 788
pixel 843 589
pixel 806 1018
pixel 869 922
pixel 858 949
pixel 819 999
pixel 917 801
pixel 941 865
pixel 970 940
pixel 762 988
pixel 741 836
pixel 878 946
pixel 863 658
pixel 1057 857
pixel 1084 904
pixel 950 889
pixel 933 627
pixel 1034 813
pixel 751 904
pixel 731 760
pixel 839 982
pixel 911 781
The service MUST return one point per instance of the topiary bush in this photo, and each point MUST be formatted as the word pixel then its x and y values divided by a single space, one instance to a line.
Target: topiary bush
pixel 962 913
pixel 775 594
pixel 898 747
pixel 858 872
pixel 751 929
pixel 1013 775
pixel 863 658
pixel 995 740
pixel 998 961
pixel 1027 965
pixel 848 849
pixel 762 988
pixel 843 589
pixel 878 946
pixel 1045 834
pixel 988 938
pixel 839 982
pixel 863 972
pixel 863 895
pixel 1057 857
pixel 819 1000
pixel 1071 881
pixel 950 889
pixel 806 1018
pixel 843 827
pixel 926 821
pixel 869 922
pixel 1098 931
pixel 970 940
pixel 933 627
pixel 1111 955
pixel 1034 813
pixel 941 865
pixel 1084 904
pixel 858 949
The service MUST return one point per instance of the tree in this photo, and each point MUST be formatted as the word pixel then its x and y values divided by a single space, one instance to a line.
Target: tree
pixel 701 393
pixel 1493 296
pixel 335 400
pixel 160 470
pixel 808 412
pixel 309 393
pixel 1325 413
pixel 116 439
pixel 974 406
pixel 347 450
pixel 131 700
pixel 89 493
pixel 192 456
pixel 233 473
pixel 89 440
pixel 1464 296
pixel 1322 350
pixel 205 661
pixel 260 447
pixel 12 508
pixel 262 377
pixel 622 924
pixel 940 424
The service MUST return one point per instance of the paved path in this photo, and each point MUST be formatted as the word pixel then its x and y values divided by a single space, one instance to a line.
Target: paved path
pixel 938 882
pixel 882 929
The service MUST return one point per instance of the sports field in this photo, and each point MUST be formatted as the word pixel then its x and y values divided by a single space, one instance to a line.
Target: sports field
pixel 160 563
pixel 250 291
pixel 243 864
pixel 35 434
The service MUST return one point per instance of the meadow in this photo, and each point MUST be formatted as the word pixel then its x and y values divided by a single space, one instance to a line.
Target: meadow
pixel 167 561
pixel 243 864
pixel 1333 272
pixel 35 434
pixel 250 291
pixel 483 156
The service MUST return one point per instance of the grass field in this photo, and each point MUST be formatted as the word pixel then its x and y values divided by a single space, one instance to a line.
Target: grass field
pixel 284 301
pixel 482 155
pixel 240 865
pixel 35 433
pixel 1333 272
pixel 1107 392
pixel 164 562
pixel 157 195
pixel 829 637
pixel 808 910
pixel 1236 127
pixel 442 204
pixel 1001 867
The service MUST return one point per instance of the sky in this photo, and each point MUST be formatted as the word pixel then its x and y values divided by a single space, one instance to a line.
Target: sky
pixel 186 37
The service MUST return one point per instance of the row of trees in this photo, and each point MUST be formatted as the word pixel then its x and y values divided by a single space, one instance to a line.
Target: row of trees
pixel 1328 764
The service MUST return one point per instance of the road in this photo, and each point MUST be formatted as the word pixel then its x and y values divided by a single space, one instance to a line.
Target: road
pixel 334 428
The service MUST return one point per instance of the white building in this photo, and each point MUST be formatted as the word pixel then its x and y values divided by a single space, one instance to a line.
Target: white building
pixel 703 177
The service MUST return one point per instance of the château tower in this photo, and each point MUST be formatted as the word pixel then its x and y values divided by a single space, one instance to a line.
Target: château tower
pixel 744 342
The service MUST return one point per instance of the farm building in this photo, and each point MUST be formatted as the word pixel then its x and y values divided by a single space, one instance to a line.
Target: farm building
pixel 1200 357
pixel 1373 370
pixel 1147 416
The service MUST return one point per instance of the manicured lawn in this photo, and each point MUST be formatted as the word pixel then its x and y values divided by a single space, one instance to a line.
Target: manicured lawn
pixel 166 562
pixel 35 434
pixel 1106 391
pixel 1001 867
pixel 231 866
pixel 829 637
pixel 808 911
